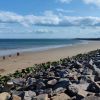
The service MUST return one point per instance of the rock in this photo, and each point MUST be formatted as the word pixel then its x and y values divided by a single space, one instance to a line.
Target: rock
pixel 10 83
pixel 42 97
pixel 61 96
pixel 96 78
pixel 93 87
pixel 72 90
pixel 15 97
pixel 83 80
pixel 91 98
pixel 30 81
pixel 71 77
pixel 81 89
pixel 78 63
pixel 27 98
pixel 59 90
pixel 40 91
pixel 30 94
pixel 5 96
pixel 1 89
pixel 40 85
pixel 61 85
pixel 19 93
pixel 62 73
pixel 8 86
pixel 64 81
pixel 49 92
pixel 51 74
pixel 19 81
pixel 52 82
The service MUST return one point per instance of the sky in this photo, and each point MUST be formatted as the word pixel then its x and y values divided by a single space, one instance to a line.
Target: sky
pixel 49 19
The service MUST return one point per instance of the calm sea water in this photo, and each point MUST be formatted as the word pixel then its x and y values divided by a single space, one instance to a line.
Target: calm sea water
pixel 11 46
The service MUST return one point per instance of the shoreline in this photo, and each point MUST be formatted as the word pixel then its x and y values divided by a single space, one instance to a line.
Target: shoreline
pixel 28 59
pixel 7 52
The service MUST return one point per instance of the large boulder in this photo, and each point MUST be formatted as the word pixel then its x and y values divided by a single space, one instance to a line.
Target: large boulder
pixel 5 96
pixel 61 85
pixel 93 87
pixel 72 90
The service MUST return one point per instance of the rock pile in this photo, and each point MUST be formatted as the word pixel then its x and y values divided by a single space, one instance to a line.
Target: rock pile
pixel 76 78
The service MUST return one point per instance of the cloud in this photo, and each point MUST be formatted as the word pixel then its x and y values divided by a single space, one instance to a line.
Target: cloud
pixel 65 1
pixel 64 11
pixel 10 17
pixel 95 2
pixel 43 30
pixel 48 19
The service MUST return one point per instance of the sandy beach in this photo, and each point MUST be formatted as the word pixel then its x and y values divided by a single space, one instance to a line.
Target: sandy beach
pixel 28 59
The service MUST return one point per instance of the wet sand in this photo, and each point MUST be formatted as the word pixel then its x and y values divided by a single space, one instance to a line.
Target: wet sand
pixel 28 59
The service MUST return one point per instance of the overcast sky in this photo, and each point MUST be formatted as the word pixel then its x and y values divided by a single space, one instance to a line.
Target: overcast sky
pixel 49 18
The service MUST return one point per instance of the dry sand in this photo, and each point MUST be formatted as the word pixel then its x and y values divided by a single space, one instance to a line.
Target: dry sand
pixel 13 63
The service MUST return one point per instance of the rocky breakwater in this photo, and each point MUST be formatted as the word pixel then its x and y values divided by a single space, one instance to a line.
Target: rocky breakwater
pixel 75 78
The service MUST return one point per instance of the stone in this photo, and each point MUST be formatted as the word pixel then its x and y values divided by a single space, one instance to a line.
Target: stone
pixel 19 81
pixel 5 96
pixel 30 81
pixel 42 97
pixel 82 89
pixel 9 85
pixel 61 85
pixel 40 85
pixel 93 87
pixel 49 92
pixel 64 81
pixel 40 91
pixel 59 90
pixel 91 98
pixel 96 78
pixel 51 74
pixel 61 96
pixel 52 82
pixel 27 98
pixel 15 97
pixel 62 73
pixel 78 63
pixel 1 88
pixel 72 90
pixel 19 93
pixel 30 94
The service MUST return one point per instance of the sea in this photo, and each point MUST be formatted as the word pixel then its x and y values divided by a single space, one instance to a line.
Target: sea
pixel 12 46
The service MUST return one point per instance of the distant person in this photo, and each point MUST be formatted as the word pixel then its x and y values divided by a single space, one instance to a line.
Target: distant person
pixel 18 53
pixel 4 57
